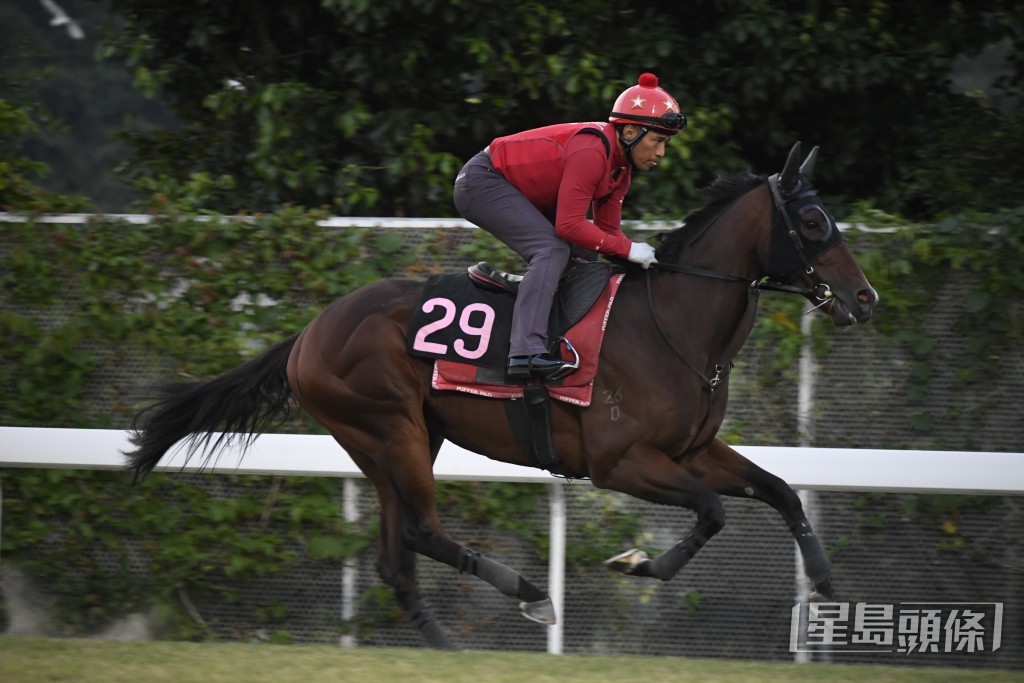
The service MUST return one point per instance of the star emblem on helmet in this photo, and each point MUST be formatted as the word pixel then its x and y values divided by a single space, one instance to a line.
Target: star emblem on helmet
pixel 638 102
pixel 670 105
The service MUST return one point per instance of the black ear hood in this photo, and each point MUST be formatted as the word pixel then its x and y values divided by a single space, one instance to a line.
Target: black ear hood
pixel 793 193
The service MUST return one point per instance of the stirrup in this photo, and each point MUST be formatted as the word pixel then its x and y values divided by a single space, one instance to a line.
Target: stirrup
pixel 568 368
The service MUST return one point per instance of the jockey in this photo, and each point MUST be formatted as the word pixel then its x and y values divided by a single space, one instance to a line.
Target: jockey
pixel 533 191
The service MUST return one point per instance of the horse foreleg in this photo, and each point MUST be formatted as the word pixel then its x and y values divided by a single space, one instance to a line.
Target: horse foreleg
pixel 652 476
pixel 729 473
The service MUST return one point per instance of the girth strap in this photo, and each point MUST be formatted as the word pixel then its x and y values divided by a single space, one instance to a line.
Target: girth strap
pixel 530 420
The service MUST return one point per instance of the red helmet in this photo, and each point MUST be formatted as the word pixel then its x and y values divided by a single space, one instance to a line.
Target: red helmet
pixel 647 105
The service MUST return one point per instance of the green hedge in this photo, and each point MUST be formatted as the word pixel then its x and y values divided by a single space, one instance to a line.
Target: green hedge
pixel 166 296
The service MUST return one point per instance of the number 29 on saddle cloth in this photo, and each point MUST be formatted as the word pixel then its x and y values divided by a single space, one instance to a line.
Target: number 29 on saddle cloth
pixel 466 330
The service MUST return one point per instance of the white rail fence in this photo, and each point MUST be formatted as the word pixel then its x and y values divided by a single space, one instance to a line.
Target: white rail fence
pixel 806 469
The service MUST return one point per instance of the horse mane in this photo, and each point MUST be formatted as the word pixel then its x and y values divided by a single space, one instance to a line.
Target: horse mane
pixel 718 195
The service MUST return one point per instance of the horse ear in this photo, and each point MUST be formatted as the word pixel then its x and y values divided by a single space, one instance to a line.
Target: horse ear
pixel 807 168
pixel 787 179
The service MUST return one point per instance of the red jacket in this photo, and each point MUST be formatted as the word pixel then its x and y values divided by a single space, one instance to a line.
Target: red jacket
pixel 565 172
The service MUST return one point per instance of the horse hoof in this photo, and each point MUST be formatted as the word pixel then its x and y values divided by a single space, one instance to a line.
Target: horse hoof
pixel 628 562
pixel 436 638
pixel 822 592
pixel 542 611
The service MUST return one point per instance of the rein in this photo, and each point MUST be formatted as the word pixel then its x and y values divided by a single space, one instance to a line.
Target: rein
pixel 721 367
pixel 763 285
pixel 743 327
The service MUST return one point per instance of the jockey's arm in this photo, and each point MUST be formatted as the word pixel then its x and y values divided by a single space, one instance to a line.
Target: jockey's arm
pixel 584 171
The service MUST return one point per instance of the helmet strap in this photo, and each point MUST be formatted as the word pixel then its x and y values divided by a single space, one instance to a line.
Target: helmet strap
pixel 628 145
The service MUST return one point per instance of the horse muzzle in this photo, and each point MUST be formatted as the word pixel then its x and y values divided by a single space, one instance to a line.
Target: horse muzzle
pixel 850 310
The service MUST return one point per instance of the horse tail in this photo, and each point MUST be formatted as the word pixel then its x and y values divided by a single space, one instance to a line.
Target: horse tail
pixel 240 404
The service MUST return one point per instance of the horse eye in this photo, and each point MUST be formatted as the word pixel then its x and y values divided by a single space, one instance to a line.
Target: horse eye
pixel 813 225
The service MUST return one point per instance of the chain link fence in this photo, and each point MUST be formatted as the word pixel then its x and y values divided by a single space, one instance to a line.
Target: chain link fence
pixel 734 599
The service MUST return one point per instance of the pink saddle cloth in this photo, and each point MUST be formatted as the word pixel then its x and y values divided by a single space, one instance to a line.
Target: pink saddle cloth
pixel 585 336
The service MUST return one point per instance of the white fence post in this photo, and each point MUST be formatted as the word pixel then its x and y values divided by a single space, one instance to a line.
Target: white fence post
pixel 350 569
pixel 556 565
pixel 805 427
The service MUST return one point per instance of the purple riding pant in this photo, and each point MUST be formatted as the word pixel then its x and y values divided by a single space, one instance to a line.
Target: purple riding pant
pixel 485 198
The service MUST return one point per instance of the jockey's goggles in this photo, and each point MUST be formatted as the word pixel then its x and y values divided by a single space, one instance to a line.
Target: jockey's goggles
pixel 672 120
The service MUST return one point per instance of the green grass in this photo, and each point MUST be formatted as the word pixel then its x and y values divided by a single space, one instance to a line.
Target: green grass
pixel 37 660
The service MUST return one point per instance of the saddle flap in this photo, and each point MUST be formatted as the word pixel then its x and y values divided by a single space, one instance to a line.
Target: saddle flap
pixel 580 286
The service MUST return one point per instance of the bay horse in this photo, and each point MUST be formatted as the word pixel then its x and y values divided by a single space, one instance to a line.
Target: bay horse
pixel 670 340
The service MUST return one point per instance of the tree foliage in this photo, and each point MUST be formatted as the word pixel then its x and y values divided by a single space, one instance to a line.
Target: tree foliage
pixel 372 107
pixel 76 103
pixel 870 81
pixel 21 117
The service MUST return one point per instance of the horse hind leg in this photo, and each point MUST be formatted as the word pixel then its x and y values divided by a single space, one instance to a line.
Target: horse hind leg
pixel 405 484
pixel 729 473
pixel 422 532
pixel 396 564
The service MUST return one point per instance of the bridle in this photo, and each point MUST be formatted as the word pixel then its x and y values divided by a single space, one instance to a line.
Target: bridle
pixel 820 291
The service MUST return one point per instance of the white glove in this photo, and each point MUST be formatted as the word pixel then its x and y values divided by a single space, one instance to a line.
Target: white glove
pixel 642 254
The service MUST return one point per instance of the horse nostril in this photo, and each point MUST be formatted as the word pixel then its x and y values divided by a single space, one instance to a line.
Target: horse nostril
pixel 867 296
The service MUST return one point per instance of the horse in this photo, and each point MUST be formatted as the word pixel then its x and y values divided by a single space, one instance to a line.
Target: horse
pixel 669 344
